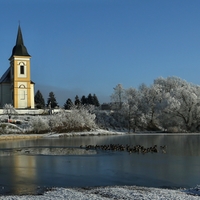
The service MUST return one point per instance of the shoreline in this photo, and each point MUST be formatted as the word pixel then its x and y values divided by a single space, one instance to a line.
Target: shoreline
pixel 98 132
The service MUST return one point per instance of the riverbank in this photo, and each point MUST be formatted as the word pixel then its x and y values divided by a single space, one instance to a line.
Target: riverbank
pixel 115 192
pixel 98 132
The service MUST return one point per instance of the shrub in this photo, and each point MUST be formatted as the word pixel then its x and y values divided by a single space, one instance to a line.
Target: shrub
pixel 39 124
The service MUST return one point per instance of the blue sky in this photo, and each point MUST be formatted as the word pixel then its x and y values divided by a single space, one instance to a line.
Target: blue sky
pixel 89 46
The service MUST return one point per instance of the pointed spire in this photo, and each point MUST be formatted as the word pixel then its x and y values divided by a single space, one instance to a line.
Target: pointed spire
pixel 19 49
pixel 19 40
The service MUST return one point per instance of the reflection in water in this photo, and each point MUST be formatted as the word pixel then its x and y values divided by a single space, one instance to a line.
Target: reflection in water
pixel 178 167
pixel 24 170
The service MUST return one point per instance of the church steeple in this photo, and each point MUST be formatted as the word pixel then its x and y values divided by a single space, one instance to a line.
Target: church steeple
pixel 19 39
pixel 19 49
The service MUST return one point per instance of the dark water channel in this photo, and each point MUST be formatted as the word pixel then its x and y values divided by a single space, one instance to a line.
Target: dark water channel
pixel 27 173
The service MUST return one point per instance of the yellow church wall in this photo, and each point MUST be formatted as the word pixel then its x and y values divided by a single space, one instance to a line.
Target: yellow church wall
pixel 22 82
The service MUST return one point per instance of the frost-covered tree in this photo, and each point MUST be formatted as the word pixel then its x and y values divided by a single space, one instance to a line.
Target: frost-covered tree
pixel 181 103
pixel 131 108
pixel 151 98
pixel 51 101
pixel 39 100
pixel 117 96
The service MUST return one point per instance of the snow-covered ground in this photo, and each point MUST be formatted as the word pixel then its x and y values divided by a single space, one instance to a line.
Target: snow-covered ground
pixel 97 132
pixel 125 192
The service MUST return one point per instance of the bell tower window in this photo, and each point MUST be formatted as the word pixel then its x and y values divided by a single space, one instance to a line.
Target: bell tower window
pixel 21 69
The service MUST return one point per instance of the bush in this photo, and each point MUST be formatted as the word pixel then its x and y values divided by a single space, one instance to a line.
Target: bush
pixel 78 119
pixel 39 124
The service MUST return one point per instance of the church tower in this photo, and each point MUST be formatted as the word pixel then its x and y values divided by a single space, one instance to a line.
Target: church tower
pixel 22 88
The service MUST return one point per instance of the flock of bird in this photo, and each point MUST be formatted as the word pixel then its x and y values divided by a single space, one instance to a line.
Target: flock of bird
pixel 128 148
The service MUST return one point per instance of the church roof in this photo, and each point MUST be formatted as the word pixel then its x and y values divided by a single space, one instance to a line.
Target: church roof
pixel 6 77
pixel 19 49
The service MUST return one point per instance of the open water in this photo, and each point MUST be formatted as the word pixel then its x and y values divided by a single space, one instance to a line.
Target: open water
pixel 26 170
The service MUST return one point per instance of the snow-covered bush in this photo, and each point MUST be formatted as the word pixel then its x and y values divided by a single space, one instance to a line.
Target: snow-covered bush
pixel 78 119
pixel 39 124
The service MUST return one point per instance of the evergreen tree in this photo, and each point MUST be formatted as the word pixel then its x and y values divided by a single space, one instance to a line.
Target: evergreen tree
pixel 96 101
pixel 77 101
pixel 68 104
pixel 84 100
pixel 51 101
pixel 90 99
pixel 39 100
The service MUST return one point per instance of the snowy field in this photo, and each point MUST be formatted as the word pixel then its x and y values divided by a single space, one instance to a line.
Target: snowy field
pixel 125 192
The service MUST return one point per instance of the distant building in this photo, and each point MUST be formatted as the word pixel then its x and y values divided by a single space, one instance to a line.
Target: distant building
pixel 106 106
pixel 16 87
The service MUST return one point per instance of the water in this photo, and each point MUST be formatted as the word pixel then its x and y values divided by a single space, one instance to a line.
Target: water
pixel 29 173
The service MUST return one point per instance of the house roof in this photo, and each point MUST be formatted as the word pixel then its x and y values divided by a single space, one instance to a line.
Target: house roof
pixel 19 49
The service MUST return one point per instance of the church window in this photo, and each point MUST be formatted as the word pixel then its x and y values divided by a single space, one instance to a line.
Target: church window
pixel 21 69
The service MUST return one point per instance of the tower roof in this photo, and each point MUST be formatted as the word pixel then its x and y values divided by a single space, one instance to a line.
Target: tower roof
pixel 19 49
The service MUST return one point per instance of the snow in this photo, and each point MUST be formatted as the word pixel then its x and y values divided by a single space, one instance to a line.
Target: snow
pixel 103 193
pixel 85 133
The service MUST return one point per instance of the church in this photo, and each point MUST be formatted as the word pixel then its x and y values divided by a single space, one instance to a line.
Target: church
pixel 16 87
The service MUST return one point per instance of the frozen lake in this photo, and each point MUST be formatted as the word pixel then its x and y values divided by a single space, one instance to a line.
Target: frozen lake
pixel 28 165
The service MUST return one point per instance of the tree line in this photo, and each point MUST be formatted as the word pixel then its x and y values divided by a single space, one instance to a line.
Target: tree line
pixel 169 104
pixel 52 102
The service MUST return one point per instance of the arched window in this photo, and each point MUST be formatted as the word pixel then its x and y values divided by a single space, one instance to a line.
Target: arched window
pixel 21 69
